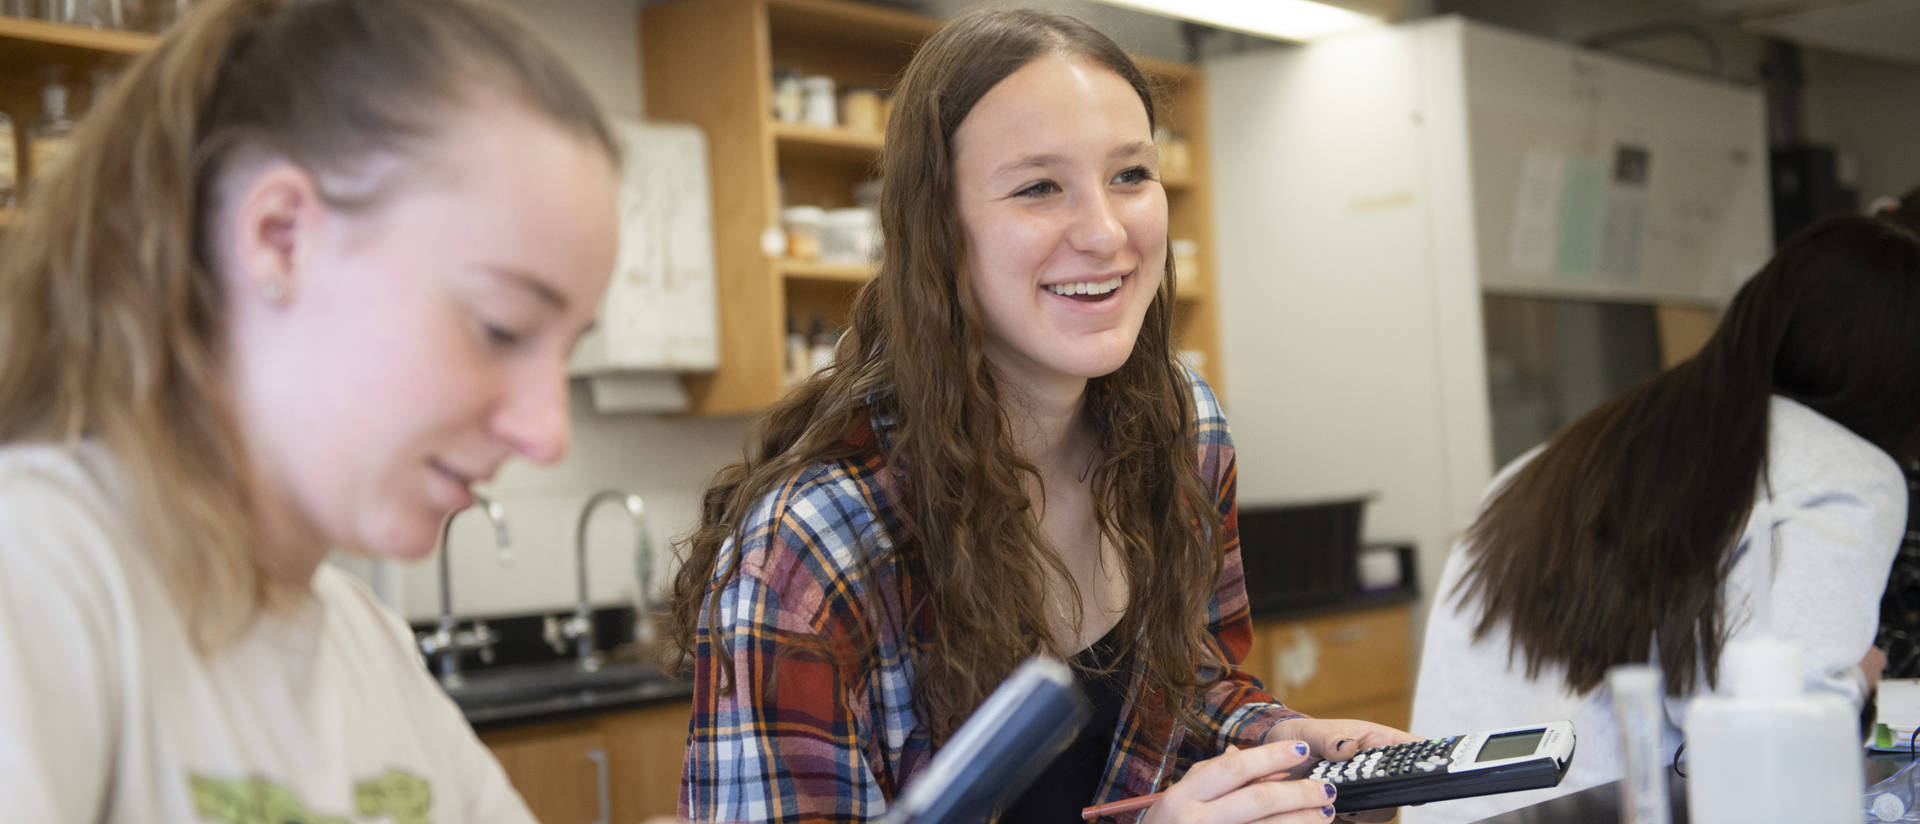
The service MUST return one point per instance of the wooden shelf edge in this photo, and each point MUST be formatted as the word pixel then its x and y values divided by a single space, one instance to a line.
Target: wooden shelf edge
pixel 899 23
pixel 853 273
pixel 837 138
pixel 109 41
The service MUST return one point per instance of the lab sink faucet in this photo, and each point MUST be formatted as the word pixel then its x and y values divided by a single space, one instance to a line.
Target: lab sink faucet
pixel 579 628
pixel 446 644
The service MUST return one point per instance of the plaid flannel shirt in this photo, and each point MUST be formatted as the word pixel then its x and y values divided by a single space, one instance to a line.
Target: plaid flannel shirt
pixel 805 740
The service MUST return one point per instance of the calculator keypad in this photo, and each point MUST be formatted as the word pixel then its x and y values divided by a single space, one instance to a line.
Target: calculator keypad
pixel 1384 763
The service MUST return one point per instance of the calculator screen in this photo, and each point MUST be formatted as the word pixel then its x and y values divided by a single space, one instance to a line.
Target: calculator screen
pixel 1510 745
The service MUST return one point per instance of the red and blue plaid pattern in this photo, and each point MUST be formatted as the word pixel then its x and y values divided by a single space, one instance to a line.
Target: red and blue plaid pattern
pixel 801 739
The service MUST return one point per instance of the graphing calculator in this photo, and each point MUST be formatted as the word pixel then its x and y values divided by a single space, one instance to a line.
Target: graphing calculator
pixel 1499 761
pixel 1001 748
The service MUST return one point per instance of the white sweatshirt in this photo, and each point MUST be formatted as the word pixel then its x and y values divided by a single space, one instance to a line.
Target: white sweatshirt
pixel 1834 521
pixel 319 713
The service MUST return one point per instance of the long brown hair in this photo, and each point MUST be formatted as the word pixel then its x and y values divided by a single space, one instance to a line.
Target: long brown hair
pixel 913 354
pixel 1615 537
pixel 111 318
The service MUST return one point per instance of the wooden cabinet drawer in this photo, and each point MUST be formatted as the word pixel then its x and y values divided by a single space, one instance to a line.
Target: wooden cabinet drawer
pixel 560 769
pixel 1337 660
pixel 649 745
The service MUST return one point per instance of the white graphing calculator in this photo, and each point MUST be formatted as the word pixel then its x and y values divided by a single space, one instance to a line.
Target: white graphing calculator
pixel 1500 761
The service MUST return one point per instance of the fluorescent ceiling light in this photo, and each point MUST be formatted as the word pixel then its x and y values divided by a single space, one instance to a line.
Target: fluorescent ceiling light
pixel 1283 19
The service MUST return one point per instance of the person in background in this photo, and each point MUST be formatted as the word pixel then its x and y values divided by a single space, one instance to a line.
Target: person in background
pixel 311 272
pixel 1004 459
pixel 1752 489
pixel 1899 636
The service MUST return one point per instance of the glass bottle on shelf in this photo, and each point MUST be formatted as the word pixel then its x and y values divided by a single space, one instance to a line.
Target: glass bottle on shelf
pixel 50 135
pixel 99 14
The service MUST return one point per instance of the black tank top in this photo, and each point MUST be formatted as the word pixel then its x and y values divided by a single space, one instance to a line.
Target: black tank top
pixel 1068 784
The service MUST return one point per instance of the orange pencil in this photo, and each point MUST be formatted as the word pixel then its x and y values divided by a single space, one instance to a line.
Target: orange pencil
pixel 1126 806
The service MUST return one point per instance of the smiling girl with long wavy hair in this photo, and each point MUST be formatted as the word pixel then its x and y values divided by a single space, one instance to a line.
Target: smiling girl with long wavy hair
pixel 1005 459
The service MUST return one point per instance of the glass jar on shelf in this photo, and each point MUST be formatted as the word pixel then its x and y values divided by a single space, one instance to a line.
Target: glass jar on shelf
pixel 821 107
pixel 849 236
pixel 50 135
pixel 789 98
pixel 802 224
pixel 860 110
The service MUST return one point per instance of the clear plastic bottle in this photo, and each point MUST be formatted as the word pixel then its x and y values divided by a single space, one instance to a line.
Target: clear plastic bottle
pixel 1762 750
pixel 1894 799
pixel 50 135
pixel 1640 715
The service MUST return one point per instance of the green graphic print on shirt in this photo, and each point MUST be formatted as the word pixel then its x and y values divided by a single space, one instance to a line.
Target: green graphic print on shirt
pixel 403 797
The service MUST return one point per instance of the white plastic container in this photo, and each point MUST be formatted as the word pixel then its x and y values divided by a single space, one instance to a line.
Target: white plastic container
pixel 849 236
pixel 821 108
pixel 1761 750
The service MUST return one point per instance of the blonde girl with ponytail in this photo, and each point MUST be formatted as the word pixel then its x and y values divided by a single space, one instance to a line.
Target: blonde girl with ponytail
pixel 312 271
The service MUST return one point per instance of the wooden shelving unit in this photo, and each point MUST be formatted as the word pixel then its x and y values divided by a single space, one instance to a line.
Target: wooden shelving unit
pixel 851 273
pixel 40 41
pixel 843 144
pixel 30 49
pixel 711 63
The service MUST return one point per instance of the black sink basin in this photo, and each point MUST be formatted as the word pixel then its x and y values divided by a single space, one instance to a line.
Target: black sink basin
pixel 532 689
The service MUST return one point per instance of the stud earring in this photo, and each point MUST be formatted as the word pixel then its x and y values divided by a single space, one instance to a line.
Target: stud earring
pixel 274 291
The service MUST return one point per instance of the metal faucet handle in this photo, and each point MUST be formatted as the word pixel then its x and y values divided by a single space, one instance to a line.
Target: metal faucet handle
pixel 432 644
pixel 441 642
pixel 558 632
pixel 481 637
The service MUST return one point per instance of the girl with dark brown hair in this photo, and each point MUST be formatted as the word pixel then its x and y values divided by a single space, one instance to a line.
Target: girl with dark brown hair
pixel 1751 489
pixel 1005 459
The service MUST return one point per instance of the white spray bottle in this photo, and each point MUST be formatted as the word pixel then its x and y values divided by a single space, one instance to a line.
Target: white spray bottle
pixel 1763 750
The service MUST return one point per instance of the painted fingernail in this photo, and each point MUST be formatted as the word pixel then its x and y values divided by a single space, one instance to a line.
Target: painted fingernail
pixel 1300 747
pixel 1330 790
pixel 1326 811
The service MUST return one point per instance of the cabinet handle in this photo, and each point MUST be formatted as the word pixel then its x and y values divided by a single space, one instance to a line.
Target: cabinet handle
pixel 599 758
